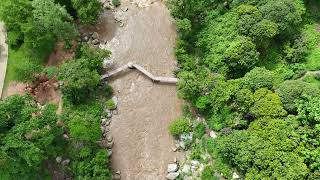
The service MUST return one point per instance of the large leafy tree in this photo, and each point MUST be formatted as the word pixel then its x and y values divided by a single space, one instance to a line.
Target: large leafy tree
pixel 79 81
pixel 293 90
pixel 88 11
pixel 29 137
pixel 49 22
pixel 266 150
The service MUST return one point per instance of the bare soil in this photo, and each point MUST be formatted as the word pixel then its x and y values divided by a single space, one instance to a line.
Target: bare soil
pixel 142 147
pixel 60 53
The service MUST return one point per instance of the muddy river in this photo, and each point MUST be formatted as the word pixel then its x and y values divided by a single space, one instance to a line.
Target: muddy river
pixel 147 36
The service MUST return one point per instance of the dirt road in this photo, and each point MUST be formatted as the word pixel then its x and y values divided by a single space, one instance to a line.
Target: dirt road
pixel 3 56
pixel 142 147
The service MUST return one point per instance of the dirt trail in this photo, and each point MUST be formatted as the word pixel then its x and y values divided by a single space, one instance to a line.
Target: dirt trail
pixel 142 147
pixel 3 56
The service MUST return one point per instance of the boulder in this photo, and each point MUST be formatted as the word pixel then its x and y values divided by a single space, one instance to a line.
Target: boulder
pixel 174 149
pixel 85 39
pixel 115 112
pixel 109 138
pixel 195 163
pixel 103 129
pixel 59 159
pixel 95 35
pixel 182 145
pixel 107 123
pixel 109 145
pixel 172 168
pixel 65 162
pixel 109 152
pixel 65 136
pixel 213 134
pixel 186 137
pixel 235 176
pixel 95 41
pixel 172 176
pixel 108 63
pixel 103 122
pixel 116 177
pixel 186 169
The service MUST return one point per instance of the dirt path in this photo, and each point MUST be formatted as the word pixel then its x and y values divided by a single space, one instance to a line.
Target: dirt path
pixel 3 56
pixel 142 147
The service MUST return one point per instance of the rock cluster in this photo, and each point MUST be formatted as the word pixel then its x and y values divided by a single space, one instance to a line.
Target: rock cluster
pixel 107 140
pixel 173 171
pixel 63 162
pixel 116 175
pixel 182 141
pixel 191 169
pixel 91 38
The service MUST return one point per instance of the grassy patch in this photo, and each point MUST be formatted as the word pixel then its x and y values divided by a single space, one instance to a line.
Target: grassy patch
pixel 17 59
pixel 312 34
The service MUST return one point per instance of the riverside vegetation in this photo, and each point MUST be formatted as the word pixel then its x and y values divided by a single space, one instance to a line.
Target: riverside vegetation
pixel 35 141
pixel 240 67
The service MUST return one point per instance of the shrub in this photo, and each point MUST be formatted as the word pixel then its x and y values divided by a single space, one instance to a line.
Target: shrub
pixel 110 104
pixel 179 126
pixel 107 90
pixel 199 130
pixel 208 173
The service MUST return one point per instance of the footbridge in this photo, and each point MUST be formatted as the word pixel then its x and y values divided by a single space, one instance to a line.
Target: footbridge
pixel 130 65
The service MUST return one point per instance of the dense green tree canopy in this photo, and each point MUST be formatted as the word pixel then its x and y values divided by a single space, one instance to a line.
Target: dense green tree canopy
pixel 257 92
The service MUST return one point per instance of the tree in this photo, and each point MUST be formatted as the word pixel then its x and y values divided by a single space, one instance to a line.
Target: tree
pixel 49 22
pixel 78 80
pixel 293 90
pixel 259 78
pixel 241 55
pixel 15 14
pixel 93 56
pixel 84 129
pixel 30 142
pixel 88 11
pixel 265 150
pixel 286 13
pixel 93 167
pixel 11 111
pixel 267 103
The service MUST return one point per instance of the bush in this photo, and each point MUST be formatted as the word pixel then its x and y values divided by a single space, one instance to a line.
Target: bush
pixel 107 90
pixel 116 3
pixel 208 174
pixel 179 126
pixel 199 130
pixel 110 104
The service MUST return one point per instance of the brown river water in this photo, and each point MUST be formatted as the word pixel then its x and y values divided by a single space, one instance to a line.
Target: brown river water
pixel 142 148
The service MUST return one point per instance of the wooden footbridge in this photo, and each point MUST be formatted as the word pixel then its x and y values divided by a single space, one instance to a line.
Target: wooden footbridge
pixel 131 65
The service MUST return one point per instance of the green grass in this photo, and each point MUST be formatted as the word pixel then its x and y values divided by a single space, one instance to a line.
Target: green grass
pixel 18 57
pixel 311 33
pixel 14 60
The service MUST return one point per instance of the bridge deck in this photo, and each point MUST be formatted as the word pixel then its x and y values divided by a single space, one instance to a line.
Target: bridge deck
pixel 143 71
